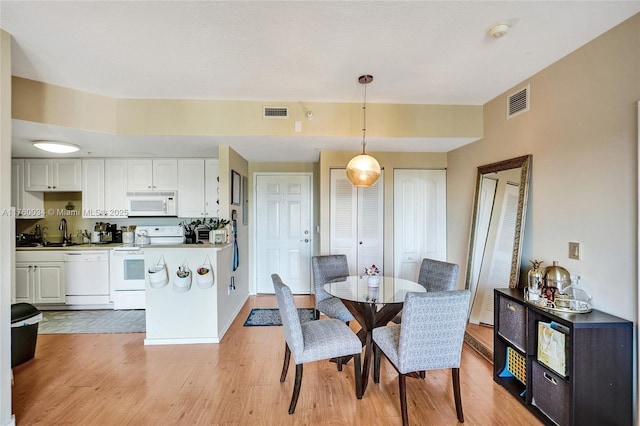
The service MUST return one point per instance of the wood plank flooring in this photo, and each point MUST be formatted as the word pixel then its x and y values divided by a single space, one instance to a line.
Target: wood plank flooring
pixel 113 379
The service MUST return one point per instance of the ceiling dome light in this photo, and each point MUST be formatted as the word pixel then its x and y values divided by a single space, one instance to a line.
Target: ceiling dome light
pixel 498 30
pixel 363 170
pixel 56 147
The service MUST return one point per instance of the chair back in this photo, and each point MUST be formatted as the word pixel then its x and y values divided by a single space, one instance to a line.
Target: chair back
pixel 289 316
pixel 326 268
pixel 436 275
pixel 432 330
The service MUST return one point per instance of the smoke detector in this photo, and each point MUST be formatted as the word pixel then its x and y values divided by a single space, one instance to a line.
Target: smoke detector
pixel 498 30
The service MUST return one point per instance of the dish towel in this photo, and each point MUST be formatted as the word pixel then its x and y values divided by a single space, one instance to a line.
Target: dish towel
pixel 236 255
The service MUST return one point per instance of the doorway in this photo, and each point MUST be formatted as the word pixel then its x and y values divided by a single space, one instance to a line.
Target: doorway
pixel 283 230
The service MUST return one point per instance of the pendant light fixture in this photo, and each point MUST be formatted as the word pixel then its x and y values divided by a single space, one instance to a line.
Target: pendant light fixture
pixel 363 170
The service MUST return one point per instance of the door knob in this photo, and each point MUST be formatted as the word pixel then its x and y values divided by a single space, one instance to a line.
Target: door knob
pixel 306 240
pixel 360 243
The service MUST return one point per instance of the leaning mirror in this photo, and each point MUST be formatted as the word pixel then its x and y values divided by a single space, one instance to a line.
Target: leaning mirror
pixel 497 230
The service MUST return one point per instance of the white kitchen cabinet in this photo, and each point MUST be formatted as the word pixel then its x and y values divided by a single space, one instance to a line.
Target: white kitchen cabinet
pixel 153 174
pixel 191 174
pixel 93 188
pixel 46 175
pixel 29 205
pixel 197 187
pixel 40 282
pixel 356 222
pixel 115 186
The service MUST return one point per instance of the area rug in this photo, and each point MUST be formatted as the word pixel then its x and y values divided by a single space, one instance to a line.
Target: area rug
pixel 271 316
pixel 95 322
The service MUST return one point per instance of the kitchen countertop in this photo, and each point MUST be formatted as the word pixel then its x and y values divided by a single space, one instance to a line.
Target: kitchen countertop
pixel 109 246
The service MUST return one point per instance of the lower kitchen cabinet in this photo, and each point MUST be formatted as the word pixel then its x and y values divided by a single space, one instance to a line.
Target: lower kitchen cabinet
pixel 40 282
pixel 567 369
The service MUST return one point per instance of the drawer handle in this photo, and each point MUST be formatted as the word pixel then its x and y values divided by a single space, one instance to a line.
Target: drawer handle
pixel 549 378
pixel 512 307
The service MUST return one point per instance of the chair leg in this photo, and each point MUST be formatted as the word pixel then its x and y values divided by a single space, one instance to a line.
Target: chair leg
pixel 339 362
pixel 317 314
pixel 455 374
pixel 403 399
pixel 285 366
pixel 422 374
pixel 296 389
pixel 357 373
pixel 376 363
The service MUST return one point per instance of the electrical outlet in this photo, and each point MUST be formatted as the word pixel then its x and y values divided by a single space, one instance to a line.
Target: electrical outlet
pixel 574 251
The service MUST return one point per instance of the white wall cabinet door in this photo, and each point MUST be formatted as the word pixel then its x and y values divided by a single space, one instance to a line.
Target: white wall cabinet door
pixel 211 187
pixel 191 187
pixel 93 201
pixel 29 205
pixel 356 222
pixel 146 174
pixel 115 187
pixel 420 219
pixel 165 174
pixel 48 175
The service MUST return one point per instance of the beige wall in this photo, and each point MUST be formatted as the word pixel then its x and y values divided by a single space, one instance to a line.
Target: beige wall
pixel 582 133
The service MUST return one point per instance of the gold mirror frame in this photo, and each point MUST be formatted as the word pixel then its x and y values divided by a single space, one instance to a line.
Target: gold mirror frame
pixel 524 163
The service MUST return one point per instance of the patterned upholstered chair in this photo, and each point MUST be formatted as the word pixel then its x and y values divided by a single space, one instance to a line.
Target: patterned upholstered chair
pixel 327 268
pixel 435 275
pixel 429 338
pixel 313 341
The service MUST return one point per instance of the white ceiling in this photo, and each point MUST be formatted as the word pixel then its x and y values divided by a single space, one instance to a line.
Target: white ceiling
pixel 420 52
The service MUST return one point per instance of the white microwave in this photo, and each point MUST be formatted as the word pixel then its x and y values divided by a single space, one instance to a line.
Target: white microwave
pixel 152 203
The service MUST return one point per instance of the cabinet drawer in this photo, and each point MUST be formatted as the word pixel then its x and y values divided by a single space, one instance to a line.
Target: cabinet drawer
pixel 550 393
pixel 512 323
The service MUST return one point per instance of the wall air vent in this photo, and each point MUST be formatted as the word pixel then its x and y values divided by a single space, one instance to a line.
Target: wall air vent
pixel 518 102
pixel 275 112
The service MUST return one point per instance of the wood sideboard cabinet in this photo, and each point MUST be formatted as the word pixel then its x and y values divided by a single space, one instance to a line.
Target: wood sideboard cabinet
pixel 567 369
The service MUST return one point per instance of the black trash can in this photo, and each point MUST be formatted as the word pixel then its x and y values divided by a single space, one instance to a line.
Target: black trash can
pixel 24 332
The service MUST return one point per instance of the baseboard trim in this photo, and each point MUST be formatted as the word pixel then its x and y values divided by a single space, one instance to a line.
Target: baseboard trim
pixel 477 346
pixel 181 341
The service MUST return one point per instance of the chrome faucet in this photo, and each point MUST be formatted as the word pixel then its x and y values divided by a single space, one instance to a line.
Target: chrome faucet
pixel 63 227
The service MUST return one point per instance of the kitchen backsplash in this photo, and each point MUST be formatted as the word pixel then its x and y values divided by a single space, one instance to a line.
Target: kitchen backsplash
pixel 68 205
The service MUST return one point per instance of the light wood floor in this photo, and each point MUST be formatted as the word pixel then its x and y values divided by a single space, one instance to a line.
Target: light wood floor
pixel 113 379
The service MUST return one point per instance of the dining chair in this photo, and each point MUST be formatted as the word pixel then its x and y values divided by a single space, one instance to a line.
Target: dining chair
pixel 430 337
pixel 326 268
pixel 435 275
pixel 313 341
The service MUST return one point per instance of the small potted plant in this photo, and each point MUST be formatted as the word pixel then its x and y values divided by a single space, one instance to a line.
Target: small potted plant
pixel 373 280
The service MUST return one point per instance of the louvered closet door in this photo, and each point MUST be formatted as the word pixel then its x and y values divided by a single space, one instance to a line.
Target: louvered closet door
pixel 356 222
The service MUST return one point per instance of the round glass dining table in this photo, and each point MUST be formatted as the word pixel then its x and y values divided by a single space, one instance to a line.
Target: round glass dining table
pixel 371 306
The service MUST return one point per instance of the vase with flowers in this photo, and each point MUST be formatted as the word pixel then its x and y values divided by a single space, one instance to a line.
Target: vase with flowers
pixel 373 279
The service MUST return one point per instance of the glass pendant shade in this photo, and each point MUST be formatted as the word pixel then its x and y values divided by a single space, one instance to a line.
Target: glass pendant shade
pixel 363 170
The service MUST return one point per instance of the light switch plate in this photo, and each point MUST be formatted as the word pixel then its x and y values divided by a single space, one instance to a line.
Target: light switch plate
pixel 574 251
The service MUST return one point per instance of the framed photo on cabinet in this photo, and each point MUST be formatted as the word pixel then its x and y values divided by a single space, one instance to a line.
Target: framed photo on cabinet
pixel 236 190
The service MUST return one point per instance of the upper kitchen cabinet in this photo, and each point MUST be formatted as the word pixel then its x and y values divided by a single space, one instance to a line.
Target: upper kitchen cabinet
pixel 104 187
pixel 197 187
pixel 47 175
pixel 153 175
pixel 29 205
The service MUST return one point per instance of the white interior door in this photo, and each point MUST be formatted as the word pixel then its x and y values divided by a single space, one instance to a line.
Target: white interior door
pixel 356 222
pixel 420 219
pixel 283 231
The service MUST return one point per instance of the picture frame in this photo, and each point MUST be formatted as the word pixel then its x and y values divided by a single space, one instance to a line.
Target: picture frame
pixel 236 190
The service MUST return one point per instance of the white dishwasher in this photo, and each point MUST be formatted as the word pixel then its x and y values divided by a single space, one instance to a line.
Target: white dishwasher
pixel 87 277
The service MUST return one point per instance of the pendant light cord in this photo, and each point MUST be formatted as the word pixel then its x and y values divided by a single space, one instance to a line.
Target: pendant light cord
pixel 364 118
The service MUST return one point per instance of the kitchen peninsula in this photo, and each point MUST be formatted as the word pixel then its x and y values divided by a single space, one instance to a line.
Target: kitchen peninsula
pixel 185 311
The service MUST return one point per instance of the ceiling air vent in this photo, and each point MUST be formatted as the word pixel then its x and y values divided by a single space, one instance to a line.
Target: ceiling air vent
pixel 275 112
pixel 518 102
